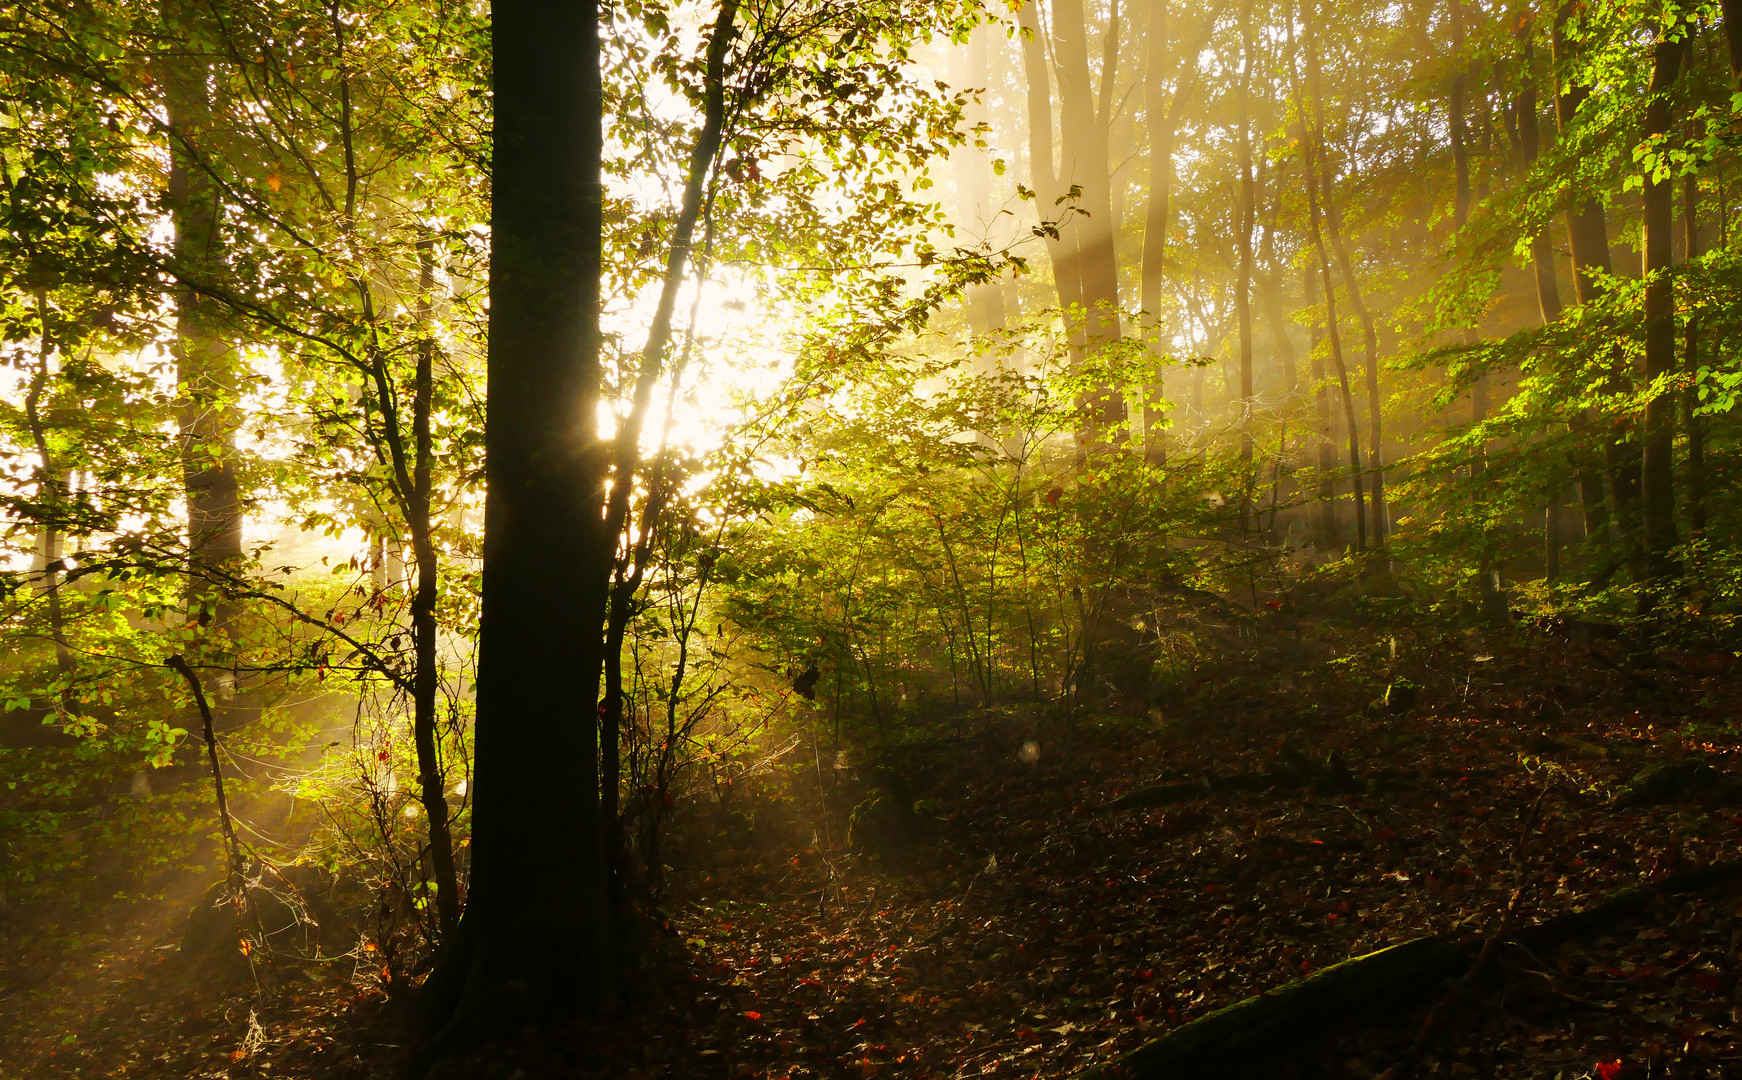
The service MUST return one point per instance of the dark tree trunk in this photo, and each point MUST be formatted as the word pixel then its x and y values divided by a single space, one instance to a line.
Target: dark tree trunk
pixel 628 571
pixel 426 678
pixel 1548 292
pixel 1732 13
pixel 1588 239
pixel 536 932
pixel 1696 427
pixel 1657 492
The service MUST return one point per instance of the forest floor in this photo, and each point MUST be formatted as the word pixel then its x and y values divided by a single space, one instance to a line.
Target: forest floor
pixel 1028 932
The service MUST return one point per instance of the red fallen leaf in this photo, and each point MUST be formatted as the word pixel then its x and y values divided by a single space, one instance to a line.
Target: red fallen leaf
pixel 1609 1070
pixel 753 1015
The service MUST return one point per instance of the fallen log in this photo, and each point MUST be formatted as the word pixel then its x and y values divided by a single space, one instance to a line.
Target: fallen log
pixel 1245 1038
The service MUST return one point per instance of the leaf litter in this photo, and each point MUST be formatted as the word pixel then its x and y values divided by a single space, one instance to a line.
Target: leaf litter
pixel 1027 934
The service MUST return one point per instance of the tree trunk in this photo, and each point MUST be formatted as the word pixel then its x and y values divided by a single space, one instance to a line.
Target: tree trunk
pixel 625 581
pixel 52 489
pixel 1243 285
pixel 1084 165
pixel 1083 145
pixel 207 416
pixel 536 932
pixel 1270 291
pixel 1548 293
pixel 1369 333
pixel 1696 426
pixel 1061 239
pixel 985 302
pixel 1457 106
pixel 1588 239
pixel 426 677
pixel 1324 420
pixel 1162 114
pixel 1732 12
pixel 1658 475
pixel 1309 152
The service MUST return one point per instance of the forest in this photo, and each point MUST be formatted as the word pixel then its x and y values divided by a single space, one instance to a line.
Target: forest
pixel 1104 539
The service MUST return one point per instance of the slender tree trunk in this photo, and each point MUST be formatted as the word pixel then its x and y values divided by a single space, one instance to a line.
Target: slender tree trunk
pixel 207 416
pixel 1270 293
pixel 1084 165
pixel 1369 332
pixel 1457 107
pixel 1658 475
pixel 1589 246
pixel 238 876
pixel 536 931
pixel 703 157
pixel 1548 293
pixel 1588 239
pixel 426 677
pixel 972 171
pixel 1061 242
pixel 52 489
pixel 1309 152
pixel 1162 114
pixel 1696 427
pixel 1243 284
pixel 1324 419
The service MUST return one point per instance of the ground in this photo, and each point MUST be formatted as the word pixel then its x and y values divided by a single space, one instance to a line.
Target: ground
pixel 1028 931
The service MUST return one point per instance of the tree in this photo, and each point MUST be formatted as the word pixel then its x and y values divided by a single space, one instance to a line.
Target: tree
pixel 536 926
pixel 1657 492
